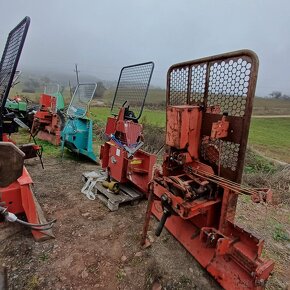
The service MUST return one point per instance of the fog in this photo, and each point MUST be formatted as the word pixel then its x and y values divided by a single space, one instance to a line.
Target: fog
pixel 103 36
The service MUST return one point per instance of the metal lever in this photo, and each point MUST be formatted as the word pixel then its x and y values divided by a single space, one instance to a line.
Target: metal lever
pixel 38 151
pixel 166 214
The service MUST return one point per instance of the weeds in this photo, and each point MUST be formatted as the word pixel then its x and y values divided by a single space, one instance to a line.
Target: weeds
pixel 280 234
pixel 33 283
pixel 257 163
pixel 44 257
pixel 120 275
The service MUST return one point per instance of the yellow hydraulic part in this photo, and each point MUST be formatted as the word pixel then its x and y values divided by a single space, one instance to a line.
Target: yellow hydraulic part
pixel 136 161
pixel 112 185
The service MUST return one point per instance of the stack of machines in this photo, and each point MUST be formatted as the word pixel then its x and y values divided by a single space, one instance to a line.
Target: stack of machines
pixel 194 195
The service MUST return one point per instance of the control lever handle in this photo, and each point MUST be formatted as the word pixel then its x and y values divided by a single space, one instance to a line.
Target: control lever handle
pixel 166 214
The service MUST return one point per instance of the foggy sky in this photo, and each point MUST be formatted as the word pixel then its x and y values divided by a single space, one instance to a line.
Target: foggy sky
pixel 103 36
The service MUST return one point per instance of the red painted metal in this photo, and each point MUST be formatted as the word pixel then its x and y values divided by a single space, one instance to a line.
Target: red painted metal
pixel 18 196
pixel 46 123
pixel 19 199
pixel 136 169
pixel 6 138
pixel 196 192
pixel 128 131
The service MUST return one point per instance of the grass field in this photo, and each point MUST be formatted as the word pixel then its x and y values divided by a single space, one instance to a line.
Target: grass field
pixel 156 98
pixel 271 136
pixel 153 117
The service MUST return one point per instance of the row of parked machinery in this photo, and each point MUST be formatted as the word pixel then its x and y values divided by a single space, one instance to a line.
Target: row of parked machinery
pixel 194 193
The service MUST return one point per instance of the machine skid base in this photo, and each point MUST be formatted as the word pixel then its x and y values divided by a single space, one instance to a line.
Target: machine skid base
pixel 127 194
pixel 19 199
pixel 113 201
pixel 51 138
pixel 222 267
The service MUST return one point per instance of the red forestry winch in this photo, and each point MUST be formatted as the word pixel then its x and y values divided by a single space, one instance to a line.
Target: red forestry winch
pixel 209 106
pixel 16 196
pixel 129 169
pixel 49 120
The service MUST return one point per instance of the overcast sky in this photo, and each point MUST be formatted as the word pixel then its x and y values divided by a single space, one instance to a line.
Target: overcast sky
pixel 103 36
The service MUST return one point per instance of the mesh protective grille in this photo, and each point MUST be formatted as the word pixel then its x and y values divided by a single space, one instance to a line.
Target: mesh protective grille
pixel 133 85
pixel 219 84
pixel 81 99
pixel 51 89
pixel 10 58
pixel 215 83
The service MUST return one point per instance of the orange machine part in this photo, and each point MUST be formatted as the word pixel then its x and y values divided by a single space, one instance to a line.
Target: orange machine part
pixel 48 102
pixel 220 128
pixel 138 170
pixel 209 105
pixel 46 121
pixel 234 260
pixel 183 128
pixel 19 199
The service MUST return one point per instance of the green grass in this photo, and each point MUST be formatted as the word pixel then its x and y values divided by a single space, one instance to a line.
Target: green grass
pixel 271 136
pixel 280 233
pixel 153 117
pixel 256 163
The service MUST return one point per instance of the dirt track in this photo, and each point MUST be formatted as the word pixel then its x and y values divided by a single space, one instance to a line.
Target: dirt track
pixel 98 249
pixel 94 248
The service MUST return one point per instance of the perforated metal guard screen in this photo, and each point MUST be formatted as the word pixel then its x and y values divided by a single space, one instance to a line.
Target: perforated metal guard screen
pixel 81 99
pixel 10 58
pixel 51 89
pixel 220 84
pixel 133 85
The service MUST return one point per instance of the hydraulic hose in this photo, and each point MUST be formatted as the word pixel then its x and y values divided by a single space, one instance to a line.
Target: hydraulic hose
pixel 11 217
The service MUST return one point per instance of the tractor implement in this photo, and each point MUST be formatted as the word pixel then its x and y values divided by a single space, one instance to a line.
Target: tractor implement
pixel 77 134
pixel 127 168
pixel 208 106
pixel 21 107
pixel 16 196
pixel 49 120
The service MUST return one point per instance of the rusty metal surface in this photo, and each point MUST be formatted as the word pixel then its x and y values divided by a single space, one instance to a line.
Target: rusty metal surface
pixel 11 163
pixel 226 82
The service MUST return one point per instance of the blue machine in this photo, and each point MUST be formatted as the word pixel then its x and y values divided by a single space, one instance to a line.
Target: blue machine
pixel 77 134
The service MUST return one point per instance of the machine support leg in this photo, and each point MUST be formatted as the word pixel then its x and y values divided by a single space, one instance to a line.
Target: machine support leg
pixel 147 215
pixel 162 222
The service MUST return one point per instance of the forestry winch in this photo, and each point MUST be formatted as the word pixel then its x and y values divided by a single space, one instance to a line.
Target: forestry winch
pixel 209 106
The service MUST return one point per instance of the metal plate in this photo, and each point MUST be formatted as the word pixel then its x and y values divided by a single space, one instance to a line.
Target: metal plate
pixel 81 99
pixel 221 83
pixel 11 163
pixel 133 85
pixel 10 58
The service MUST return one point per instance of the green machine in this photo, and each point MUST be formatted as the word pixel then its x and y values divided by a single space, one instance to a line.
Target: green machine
pixel 77 134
